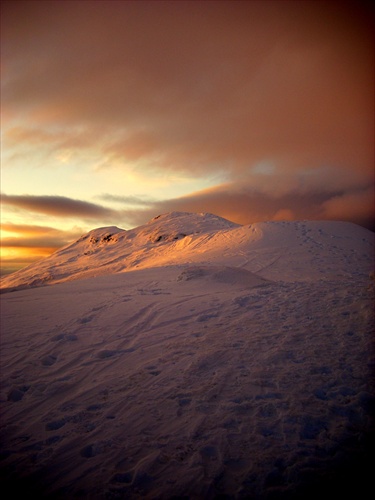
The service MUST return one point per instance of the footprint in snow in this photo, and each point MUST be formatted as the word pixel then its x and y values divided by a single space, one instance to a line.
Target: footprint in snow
pixel 49 360
pixel 106 353
pixel 89 451
pixel 70 337
pixel 210 460
pixel 86 319
pixel 55 424
pixel 152 370
pixel 123 477
pixel 17 393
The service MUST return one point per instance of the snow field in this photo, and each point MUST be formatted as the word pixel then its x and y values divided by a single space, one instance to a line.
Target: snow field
pixel 191 358
pixel 159 387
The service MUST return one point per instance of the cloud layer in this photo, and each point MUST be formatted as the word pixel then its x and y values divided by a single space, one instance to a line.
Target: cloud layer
pixel 60 206
pixel 192 85
pixel 236 202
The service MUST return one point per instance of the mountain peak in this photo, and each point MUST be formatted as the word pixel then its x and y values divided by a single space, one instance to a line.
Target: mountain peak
pixel 201 221
pixel 172 226
pixel 184 215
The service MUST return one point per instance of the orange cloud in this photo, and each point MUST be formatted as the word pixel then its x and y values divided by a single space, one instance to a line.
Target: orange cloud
pixel 244 205
pixel 284 214
pixel 26 229
pixel 358 207
pixel 212 85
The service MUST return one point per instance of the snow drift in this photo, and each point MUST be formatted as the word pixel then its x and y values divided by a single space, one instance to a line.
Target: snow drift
pixel 191 358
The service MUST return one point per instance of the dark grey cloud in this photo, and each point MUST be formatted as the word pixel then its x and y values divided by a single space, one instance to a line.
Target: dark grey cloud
pixel 59 206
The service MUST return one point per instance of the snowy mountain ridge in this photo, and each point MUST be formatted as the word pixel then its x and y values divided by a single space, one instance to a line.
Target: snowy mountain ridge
pixel 274 250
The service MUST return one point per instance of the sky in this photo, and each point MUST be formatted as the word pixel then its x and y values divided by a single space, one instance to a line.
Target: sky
pixel 113 112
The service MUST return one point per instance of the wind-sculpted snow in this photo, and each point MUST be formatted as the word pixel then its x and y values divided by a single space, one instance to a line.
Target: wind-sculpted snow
pixel 222 275
pixel 235 362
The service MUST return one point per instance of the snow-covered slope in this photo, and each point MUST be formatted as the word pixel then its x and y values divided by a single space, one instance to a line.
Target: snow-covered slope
pixel 274 250
pixel 207 361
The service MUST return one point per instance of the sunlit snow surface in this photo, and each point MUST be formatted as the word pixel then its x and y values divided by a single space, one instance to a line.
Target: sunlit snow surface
pixel 191 358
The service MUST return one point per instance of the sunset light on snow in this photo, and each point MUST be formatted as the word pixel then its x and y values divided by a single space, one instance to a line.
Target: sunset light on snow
pixel 187 249
pixel 114 112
